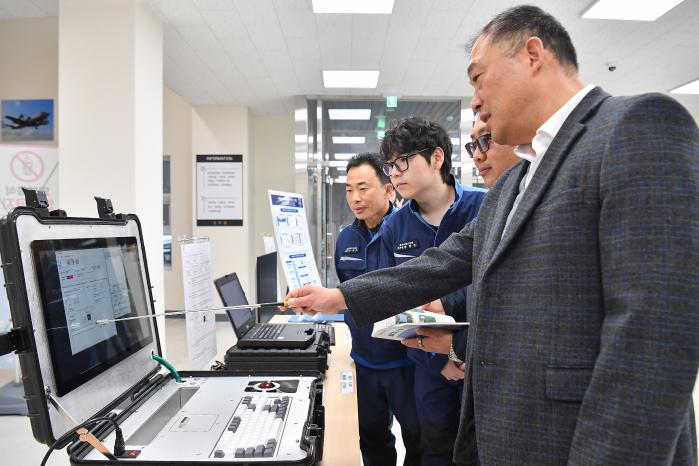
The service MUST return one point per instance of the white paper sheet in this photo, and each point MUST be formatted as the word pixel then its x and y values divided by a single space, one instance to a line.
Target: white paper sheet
pixel 198 294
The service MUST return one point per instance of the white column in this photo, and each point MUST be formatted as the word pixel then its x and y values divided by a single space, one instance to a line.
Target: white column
pixel 226 130
pixel 110 97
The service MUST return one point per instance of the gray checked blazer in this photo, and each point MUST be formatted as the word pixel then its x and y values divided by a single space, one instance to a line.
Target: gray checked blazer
pixel 584 340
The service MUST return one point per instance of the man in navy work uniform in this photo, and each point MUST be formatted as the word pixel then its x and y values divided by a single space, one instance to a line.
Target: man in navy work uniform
pixel 384 373
pixel 417 157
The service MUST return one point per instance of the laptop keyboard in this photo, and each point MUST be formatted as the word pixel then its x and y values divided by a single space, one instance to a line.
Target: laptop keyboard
pixel 267 331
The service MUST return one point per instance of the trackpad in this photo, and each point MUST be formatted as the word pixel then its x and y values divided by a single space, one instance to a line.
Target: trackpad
pixel 194 423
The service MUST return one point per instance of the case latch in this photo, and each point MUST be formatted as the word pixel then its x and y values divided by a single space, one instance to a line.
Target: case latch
pixel 105 208
pixel 38 201
pixel 14 340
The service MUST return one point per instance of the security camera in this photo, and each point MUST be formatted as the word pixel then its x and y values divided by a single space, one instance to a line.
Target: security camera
pixel 611 66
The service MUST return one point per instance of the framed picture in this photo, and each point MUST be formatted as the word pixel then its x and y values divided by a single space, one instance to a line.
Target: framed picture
pixel 27 120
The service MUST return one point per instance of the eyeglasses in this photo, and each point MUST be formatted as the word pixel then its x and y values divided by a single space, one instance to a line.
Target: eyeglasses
pixel 401 162
pixel 482 143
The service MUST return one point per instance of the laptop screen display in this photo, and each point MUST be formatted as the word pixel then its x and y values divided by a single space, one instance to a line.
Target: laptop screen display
pixel 232 294
pixel 84 281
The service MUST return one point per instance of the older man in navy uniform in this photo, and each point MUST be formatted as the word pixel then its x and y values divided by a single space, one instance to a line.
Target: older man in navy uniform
pixel 384 373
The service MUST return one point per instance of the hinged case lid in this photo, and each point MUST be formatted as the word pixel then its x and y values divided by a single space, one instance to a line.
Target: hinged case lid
pixel 62 276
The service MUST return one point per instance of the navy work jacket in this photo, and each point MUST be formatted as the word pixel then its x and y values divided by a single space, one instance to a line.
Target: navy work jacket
pixel 406 235
pixel 357 252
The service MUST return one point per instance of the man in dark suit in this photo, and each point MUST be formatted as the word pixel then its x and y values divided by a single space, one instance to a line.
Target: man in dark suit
pixel 584 261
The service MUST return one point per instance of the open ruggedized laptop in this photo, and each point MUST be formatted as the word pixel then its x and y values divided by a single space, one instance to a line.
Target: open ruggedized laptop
pixel 69 282
pixel 254 335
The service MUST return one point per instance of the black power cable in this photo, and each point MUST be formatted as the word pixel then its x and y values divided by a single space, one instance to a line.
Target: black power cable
pixel 119 444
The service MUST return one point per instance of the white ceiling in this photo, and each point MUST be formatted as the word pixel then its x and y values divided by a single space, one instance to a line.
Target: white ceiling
pixel 262 53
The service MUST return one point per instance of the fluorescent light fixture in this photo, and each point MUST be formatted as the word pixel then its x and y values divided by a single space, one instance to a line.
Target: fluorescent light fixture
pixel 351 79
pixel 300 166
pixel 349 113
pixel 300 156
pixel 343 156
pixel 340 179
pixel 365 7
pixel 337 163
pixel 632 10
pixel 301 138
pixel 455 141
pixel 300 114
pixel 689 88
pixel 349 140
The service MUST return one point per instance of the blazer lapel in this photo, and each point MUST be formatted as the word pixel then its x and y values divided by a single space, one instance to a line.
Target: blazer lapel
pixel 505 200
pixel 545 173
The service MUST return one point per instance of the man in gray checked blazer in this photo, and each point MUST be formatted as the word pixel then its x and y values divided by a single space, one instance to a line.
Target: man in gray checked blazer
pixel 584 259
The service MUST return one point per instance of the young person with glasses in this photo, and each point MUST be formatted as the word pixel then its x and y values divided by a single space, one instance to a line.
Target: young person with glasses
pixel 492 160
pixel 417 157
pixel 384 373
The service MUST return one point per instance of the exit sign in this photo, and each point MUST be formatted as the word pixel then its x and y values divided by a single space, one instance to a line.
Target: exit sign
pixel 392 101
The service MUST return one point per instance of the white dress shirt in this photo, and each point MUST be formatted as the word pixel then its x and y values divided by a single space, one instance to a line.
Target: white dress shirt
pixel 543 138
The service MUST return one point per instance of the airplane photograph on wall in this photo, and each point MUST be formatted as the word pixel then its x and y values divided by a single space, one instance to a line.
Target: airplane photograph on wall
pixel 27 120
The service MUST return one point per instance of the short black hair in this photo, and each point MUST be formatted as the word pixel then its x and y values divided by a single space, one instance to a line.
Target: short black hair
pixel 415 133
pixel 372 159
pixel 517 24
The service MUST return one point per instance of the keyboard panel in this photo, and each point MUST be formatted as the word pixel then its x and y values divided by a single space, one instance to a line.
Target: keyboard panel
pixel 255 429
pixel 268 331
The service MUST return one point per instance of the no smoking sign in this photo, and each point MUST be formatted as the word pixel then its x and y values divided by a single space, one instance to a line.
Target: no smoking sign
pixel 27 166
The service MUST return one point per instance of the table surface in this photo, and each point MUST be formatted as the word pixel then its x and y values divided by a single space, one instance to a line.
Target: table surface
pixel 341 431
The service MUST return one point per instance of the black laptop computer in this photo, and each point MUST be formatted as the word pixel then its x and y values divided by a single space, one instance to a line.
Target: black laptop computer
pixel 251 334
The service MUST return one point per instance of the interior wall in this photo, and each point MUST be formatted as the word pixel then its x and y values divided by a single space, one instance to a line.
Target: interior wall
pixel 225 130
pixel 29 57
pixel 273 143
pixel 177 144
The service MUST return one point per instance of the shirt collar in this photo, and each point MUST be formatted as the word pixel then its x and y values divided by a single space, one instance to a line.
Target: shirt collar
pixel 548 131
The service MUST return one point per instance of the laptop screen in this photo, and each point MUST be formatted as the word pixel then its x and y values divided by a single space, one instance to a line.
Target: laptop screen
pixel 232 294
pixel 82 281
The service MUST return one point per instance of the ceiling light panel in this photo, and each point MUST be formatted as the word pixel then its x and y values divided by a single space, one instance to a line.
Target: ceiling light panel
pixel 366 7
pixel 349 140
pixel 689 88
pixel 631 10
pixel 350 79
pixel 343 156
pixel 349 113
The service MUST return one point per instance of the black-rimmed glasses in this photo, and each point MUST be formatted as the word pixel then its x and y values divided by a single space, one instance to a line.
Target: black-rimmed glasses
pixel 401 162
pixel 482 143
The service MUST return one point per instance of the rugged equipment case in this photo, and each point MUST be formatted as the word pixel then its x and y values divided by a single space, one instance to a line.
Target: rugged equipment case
pixel 125 387
pixel 312 358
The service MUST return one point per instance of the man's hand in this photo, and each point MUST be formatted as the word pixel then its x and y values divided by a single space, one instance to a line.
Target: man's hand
pixel 431 340
pixel 452 371
pixel 434 306
pixel 312 299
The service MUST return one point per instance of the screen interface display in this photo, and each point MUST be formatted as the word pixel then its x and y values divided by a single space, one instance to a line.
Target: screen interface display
pixel 82 282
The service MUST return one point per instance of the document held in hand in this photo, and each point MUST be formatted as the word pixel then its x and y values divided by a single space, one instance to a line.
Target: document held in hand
pixel 405 324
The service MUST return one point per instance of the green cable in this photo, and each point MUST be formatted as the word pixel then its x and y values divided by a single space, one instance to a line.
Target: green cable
pixel 167 365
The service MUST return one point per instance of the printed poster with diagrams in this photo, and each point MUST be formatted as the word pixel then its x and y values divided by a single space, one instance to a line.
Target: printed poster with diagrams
pixel 293 239
pixel 220 190
pixel 197 282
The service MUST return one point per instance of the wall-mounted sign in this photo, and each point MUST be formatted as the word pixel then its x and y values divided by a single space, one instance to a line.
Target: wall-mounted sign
pixel 220 190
